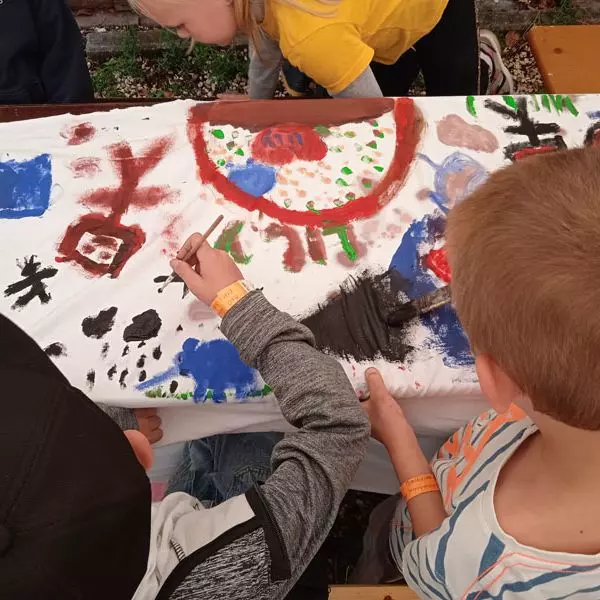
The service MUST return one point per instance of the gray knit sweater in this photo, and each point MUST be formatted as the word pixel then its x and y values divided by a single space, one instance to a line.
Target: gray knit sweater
pixel 258 544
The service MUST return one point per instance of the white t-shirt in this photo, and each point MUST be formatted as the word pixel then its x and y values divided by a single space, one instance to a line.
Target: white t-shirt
pixel 469 556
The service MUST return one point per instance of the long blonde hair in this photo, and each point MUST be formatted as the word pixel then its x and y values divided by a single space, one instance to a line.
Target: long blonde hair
pixel 246 19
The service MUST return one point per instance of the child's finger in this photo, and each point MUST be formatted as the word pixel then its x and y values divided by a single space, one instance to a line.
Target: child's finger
pixel 146 412
pixel 154 422
pixel 155 436
pixel 375 383
pixel 188 245
pixel 189 275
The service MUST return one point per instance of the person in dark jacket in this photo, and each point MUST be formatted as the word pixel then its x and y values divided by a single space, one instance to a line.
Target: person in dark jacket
pixel 42 57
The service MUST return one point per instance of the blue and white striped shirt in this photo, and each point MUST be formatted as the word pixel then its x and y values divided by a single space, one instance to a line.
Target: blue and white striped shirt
pixel 469 556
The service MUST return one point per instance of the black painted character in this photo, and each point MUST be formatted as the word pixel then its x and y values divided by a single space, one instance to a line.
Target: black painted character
pixel 162 278
pixel 32 278
pixel 541 137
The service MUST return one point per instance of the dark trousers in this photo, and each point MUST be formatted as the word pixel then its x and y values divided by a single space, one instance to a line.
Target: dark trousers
pixel 448 57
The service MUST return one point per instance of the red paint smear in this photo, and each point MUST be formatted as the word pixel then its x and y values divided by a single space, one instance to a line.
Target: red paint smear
pixel 282 144
pixel 85 167
pixel 106 242
pixel 525 152
pixel 130 170
pixel 361 249
pixel 170 234
pixel 79 134
pixel 437 261
pixel 294 257
pixel 409 124
pixel 131 240
pixel 316 245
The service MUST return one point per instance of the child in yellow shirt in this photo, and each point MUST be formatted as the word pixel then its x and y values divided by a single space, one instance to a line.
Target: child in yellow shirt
pixel 355 48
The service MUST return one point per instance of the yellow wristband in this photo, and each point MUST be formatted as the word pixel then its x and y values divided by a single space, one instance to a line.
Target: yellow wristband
pixel 421 484
pixel 229 296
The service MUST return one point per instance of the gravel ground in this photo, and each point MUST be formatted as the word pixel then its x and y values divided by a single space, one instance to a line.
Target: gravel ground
pixel 208 73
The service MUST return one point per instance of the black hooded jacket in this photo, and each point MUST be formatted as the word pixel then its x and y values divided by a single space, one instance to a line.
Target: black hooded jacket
pixel 42 57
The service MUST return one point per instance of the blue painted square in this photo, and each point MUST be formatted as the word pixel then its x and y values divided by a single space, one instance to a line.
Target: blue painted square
pixel 25 187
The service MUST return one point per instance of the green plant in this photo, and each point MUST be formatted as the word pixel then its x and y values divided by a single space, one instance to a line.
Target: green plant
pixel 564 13
pixel 126 64
pixel 173 53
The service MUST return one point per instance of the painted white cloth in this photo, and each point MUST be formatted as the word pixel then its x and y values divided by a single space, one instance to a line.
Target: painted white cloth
pixel 148 177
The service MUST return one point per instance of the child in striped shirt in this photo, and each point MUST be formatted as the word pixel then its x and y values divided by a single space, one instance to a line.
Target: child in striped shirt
pixel 509 507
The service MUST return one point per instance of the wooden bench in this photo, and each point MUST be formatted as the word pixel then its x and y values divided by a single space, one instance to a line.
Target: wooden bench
pixel 567 57
pixel 371 592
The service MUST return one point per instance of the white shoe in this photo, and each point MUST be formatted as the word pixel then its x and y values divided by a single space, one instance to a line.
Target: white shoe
pixel 500 80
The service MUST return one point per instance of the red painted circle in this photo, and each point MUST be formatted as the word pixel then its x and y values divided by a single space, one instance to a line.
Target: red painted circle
pixel 408 123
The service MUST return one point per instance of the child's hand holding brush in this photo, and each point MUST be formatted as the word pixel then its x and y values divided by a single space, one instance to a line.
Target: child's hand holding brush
pixel 208 271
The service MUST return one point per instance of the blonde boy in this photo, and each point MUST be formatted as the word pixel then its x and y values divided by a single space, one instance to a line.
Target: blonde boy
pixel 516 514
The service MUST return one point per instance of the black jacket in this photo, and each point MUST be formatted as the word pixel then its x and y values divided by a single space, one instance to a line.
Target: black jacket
pixel 41 54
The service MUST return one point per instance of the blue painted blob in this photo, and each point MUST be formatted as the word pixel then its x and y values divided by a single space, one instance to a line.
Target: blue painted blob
pixel 214 365
pixel 25 187
pixel 253 178
pixel 447 333
pixel 455 163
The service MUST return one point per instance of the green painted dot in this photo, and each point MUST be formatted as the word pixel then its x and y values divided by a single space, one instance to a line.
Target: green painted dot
pixel 221 162
pixel 367 183
pixel 366 159
pixel 218 133
pixel 374 123
pixel 378 133
pixel 311 206
pixel 337 149
pixel 378 168
pixel 339 202
pixel 239 152
pixel 322 130
pixel 342 182
pixel 350 196
pixel 350 134
pixel 373 145
pixel 287 202
pixel 346 170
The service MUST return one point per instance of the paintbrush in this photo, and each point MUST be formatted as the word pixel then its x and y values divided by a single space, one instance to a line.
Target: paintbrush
pixel 192 251
pixel 420 306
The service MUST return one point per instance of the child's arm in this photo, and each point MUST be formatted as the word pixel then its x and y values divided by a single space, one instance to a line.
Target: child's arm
pixel 63 71
pixel 364 86
pixel 313 467
pixel 264 68
pixel 390 427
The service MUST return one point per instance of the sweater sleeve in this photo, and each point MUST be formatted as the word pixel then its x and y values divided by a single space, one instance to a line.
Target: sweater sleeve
pixel 263 71
pixel 313 467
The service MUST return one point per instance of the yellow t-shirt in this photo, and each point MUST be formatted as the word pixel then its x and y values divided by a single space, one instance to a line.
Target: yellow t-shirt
pixel 335 50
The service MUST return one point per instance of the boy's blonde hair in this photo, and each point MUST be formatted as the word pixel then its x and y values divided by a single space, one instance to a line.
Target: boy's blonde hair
pixel 525 256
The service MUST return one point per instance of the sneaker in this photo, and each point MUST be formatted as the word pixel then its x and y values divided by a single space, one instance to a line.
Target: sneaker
pixel 500 81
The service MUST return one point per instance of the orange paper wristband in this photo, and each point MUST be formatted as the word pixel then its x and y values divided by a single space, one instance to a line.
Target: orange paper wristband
pixel 229 296
pixel 421 484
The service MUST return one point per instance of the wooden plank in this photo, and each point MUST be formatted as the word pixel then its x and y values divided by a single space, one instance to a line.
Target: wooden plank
pixel 567 57
pixel 20 112
pixel 371 592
